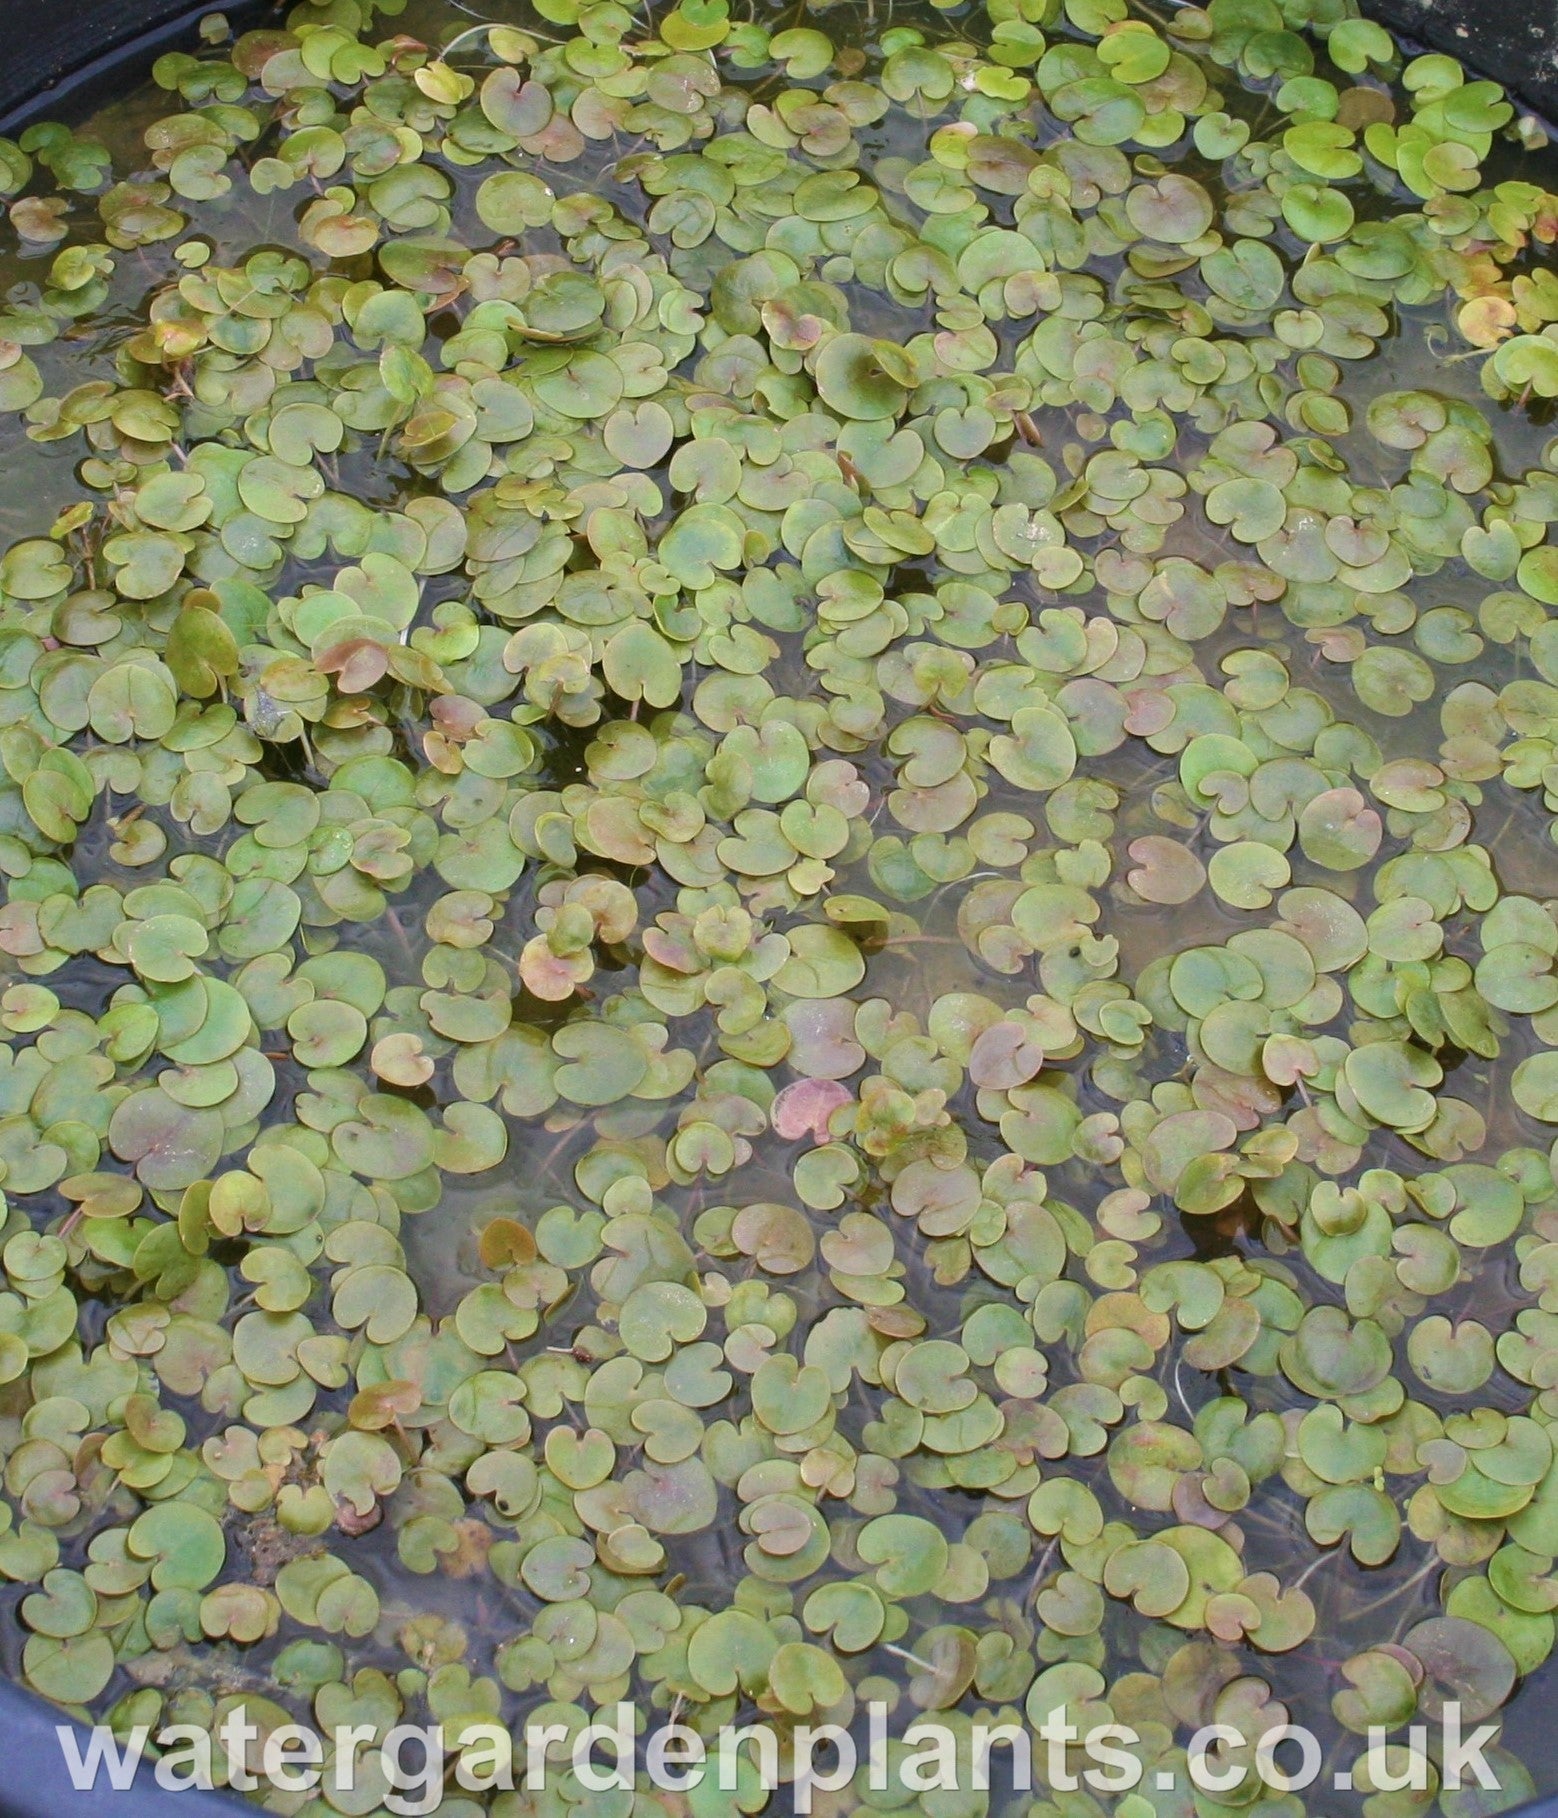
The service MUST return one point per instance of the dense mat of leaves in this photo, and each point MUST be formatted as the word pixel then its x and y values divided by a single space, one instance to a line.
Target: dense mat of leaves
pixel 753 894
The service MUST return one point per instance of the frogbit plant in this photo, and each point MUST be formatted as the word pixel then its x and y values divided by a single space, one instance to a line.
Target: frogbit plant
pixel 778 915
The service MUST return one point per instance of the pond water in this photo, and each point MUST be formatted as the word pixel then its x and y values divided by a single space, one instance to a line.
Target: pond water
pixel 781 901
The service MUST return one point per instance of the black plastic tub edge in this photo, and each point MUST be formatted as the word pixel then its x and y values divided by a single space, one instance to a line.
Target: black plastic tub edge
pixel 63 55
pixel 58 53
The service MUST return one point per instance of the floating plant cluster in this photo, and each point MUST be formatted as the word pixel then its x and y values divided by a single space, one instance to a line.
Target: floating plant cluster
pixel 776 892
